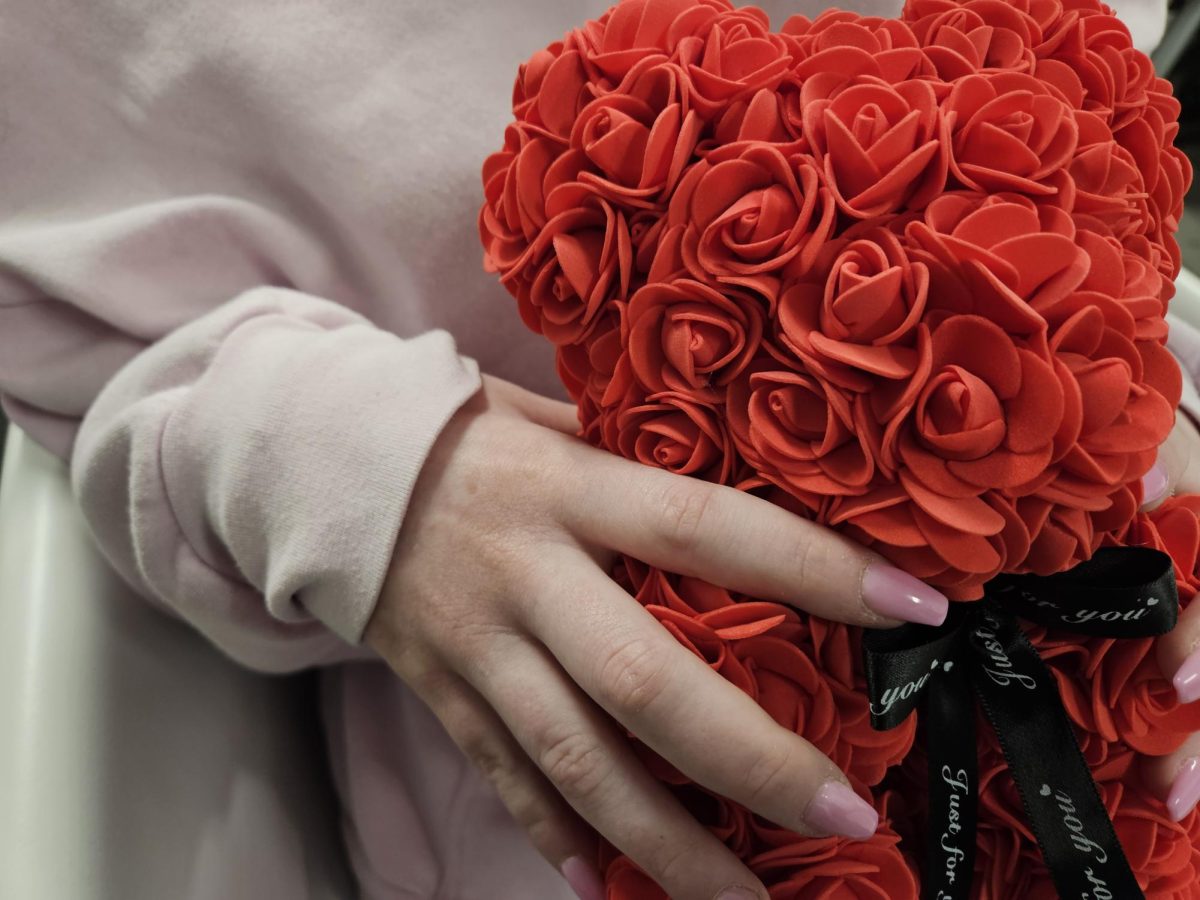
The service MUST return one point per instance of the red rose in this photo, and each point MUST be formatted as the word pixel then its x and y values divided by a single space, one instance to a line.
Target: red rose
pixel 730 57
pixel 561 250
pixel 789 687
pixel 800 432
pixel 978 35
pixel 1000 257
pixel 640 151
pixel 551 89
pixel 588 369
pixel 1115 690
pixel 1114 77
pixel 982 424
pixel 635 30
pixel 747 217
pixel 531 75
pixel 674 432
pixel 1008 131
pixel 838 41
pixel 1108 186
pixel 863 318
pixel 877 144
pixel 1129 278
pixel 685 336
pixel 580 260
pixel 516 182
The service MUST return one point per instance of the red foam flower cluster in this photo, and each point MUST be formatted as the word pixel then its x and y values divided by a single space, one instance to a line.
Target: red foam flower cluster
pixel 906 277
pixel 912 272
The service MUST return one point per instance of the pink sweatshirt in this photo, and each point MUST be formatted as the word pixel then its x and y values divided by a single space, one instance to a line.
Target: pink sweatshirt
pixel 240 289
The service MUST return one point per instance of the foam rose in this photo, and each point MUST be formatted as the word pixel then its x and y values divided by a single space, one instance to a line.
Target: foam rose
pixel 1008 131
pixel 685 336
pixel 674 432
pixel 743 219
pixel 859 315
pixel 839 41
pixel 877 143
pixel 800 432
pixel 1116 691
pixel 965 38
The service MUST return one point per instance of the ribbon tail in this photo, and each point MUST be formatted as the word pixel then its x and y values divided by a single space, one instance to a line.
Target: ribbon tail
pixel 949 721
pixel 1021 701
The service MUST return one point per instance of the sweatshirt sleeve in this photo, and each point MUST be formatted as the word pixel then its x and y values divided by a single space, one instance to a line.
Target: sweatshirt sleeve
pixel 251 469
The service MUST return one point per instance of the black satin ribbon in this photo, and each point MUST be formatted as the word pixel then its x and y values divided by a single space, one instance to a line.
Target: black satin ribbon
pixel 981 653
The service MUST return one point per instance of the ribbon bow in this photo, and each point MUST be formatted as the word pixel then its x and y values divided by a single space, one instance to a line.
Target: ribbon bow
pixel 980 651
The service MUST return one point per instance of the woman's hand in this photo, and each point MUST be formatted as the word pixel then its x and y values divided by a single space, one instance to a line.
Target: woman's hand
pixel 1177 775
pixel 498 610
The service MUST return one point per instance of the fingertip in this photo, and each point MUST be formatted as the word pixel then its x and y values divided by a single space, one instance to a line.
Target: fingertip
pixel 894 594
pixel 1187 679
pixel 1185 789
pixel 836 809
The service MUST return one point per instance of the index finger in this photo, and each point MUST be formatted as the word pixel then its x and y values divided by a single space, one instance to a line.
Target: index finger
pixel 741 542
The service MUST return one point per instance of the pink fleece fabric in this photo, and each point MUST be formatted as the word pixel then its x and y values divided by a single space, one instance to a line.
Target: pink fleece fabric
pixel 240 290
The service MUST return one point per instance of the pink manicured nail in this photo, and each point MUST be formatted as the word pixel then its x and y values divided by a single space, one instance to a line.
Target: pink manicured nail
pixel 737 892
pixel 1154 484
pixel 583 878
pixel 1185 791
pixel 1187 679
pixel 836 809
pixel 897 595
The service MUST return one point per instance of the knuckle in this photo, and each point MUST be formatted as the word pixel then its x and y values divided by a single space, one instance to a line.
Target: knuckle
pixel 491 761
pixel 803 558
pixel 576 765
pixel 633 676
pixel 767 773
pixel 684 507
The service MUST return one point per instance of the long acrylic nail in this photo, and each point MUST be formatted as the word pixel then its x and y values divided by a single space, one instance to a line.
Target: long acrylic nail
pixel 1185 790
pixel 894 594
pixel 836 809
pixel 1154 484
pixel 583 878
pixel 1187 679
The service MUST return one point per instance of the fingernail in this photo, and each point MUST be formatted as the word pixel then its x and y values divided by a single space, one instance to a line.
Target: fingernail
pixel 1185 790
pixel 1187 679
pixel 895 594
pixel 738 892
pixel 836 809
pixel 1154 484
pixel 583 878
